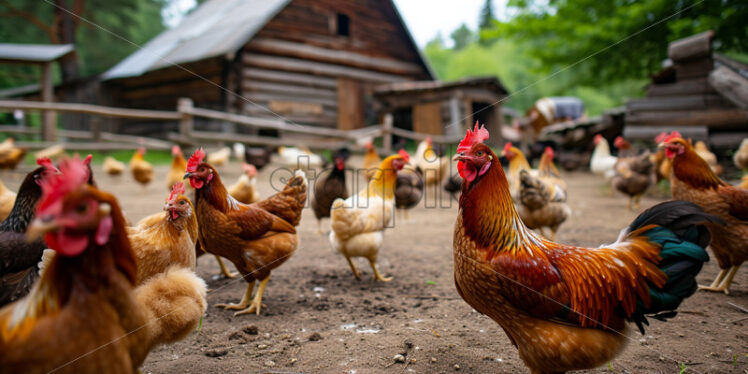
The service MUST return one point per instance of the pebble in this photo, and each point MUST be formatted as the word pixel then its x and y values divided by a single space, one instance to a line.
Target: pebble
pixel 216 352
pixel 315 337
pixel 399 358
pixel 293 360
pixel 457 367
pixel 251 330
pixel 269 363
pixel 433 359
pixel 262 346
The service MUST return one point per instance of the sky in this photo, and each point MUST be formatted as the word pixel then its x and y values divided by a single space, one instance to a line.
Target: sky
pixel 425 19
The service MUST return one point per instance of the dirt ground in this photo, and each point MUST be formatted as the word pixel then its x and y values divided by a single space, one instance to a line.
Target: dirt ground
pixel 319 319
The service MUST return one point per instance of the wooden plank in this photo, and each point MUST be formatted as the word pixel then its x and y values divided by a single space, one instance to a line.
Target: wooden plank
pixel 86 146
pixel 341 57
pixel 10 105
pixel 673 103
pixel 681 88
pixel 724 117
pixel 350 104
pixel 260 87
pixel 265 140
pixel 49 118
pixel 427 118
pixel 318 68
pixel 730 85
pixel 692 47
pixel 699 68
pixel 268 97
pixel 648 133
pixel 267 75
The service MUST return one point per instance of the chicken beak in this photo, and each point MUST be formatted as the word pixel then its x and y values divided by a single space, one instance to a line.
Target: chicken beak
pixel 39 227
pixel 187 175
pixel 458 157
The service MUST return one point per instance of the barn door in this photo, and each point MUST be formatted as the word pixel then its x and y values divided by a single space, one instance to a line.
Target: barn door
pixel 350 104
pixel 427 118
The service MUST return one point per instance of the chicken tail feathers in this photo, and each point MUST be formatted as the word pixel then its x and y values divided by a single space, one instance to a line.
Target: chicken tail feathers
pixel 288 203
pixel 678 228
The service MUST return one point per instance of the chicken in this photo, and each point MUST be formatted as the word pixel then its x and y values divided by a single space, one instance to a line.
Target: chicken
pixel 112 167
pixel 740 158
pixel 141 169
pixel 220 157
pixel 371 161
pixel 239 150
pixel 517 163
pixel 7 199
pixel 178 164
pixel 18 256
pixel 602 163
pixel 245 188
pixel 52 152
pixel 10 155
pixel 744 182
pixel 86 294
pixel 330 186
pixel 565 307
pixel 257 156
pixel 358 222
pixel 257 238
pixel 408 189
pixel 542 199
pixel 433 167
pixel 662 163
pixel 165 239
pixel 693 180
pixel 299 158
pixel 634 175
pixel 701 149
pixel 453 185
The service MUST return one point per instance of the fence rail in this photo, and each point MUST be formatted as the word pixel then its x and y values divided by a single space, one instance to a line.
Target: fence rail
pixel 186 114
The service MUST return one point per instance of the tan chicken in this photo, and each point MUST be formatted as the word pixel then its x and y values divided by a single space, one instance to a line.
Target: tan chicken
pixel 52 152
pixel 358 222
pixel 178 165
pixel 701 149
pixel 740 158
pixel 433 167
pixel 141 169
pixel 112 167
pixel 10 155
pixel 744 182
pixel 7 199
pixel 371 161
pixel 542 199
pixel 245 188
pixel 220 157
pixel 517 163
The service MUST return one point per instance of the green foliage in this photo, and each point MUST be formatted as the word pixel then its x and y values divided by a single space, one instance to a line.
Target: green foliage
pixel 563 32
pixel 485 21
pixel 462 37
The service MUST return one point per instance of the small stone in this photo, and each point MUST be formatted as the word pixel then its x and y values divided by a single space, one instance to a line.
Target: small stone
pixel 250 330
pixel 413 360
pixel 457 367
pixel 662 358
pixel 433 359
pixel 399 358
pixel 269 363
pixel 262 346
pixel 216 352
pixel 408 343
pixel 293 360
pixel 315 337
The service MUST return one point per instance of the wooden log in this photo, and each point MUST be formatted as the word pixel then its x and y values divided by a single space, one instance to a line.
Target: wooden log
pixel 674 103
pixel 711 118
pixel 648 133
pixel 49 117
pixel 89 109
pixel 730 85
pixel 297 79
pixel 692 47
pixel 691 69
pixel 275 88
pixel 682 88
pixel 318 68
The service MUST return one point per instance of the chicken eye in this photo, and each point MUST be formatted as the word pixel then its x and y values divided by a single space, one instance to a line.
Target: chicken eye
pixel 479 153
pixel 81 208
pixel 181 202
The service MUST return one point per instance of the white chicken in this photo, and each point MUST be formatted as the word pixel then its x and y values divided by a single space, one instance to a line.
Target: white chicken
pixel 433 167
pixel 219 157
pixel 299 158
pixel 602 163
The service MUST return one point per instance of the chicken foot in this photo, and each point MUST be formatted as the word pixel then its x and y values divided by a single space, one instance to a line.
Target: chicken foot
pixel 256 304
pixel 378 276
pixel 224 269
pixel 353 268
pixel 724 279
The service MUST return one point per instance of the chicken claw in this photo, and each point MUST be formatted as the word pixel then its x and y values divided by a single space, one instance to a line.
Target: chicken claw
pixel 256 304
pixel 378 276
pixel 225 270
pixel 722 282
pixel 245 299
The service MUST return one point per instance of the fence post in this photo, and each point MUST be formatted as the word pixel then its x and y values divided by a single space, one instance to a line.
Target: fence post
pixel 387 133
pixel 184 107
pixel 49 117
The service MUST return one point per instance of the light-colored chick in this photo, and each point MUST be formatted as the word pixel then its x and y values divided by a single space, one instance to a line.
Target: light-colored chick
pixel 703 151
pixel 219 157
pixel 245 188
pixel 141 169
pixel 741 155
pixel 52 152
pixel 7 199
pixel 112 166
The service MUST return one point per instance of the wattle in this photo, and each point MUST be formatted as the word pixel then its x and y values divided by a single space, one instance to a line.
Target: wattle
pixel 466 171
pixel 67 244
pixel 196 183
pixel 174 214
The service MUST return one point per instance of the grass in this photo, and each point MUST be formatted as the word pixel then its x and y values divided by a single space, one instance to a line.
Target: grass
pixel 155 157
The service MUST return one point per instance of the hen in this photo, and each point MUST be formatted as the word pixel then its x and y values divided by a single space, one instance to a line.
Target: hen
pixel 542 199
pixel 517 163
pixel 10 155
pixel 711 159
pixel 565 307
pixel 7 199
pixel 220 157
pixel 18 256
pixel 178 164
pixel 245 188
pixel 112 167
pixel 299 158
pixel 602 162
pixel 634 175
pixel 258 156
pixel 433 167
pixel 693 180
pixel 330 186
pixel 408 189
pixel 740 158
pixel 371 161
pixel 141 169
pixel 257 238
pixel 86 294
pixel 358 222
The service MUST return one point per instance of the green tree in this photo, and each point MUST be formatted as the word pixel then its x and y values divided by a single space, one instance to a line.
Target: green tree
pixel 462 37
pixel 619 39
pixel 486 19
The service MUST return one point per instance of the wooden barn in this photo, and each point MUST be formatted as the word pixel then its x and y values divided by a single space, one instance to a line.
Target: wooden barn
pixel 702 94
pixel 309 61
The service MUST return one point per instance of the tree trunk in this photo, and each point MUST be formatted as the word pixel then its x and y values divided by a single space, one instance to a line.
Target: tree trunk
pixel 65 30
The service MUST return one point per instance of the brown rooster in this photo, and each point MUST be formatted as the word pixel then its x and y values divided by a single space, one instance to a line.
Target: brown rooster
pixel 257 238
pixel 565 307
pixel 86 293
pixel 694 180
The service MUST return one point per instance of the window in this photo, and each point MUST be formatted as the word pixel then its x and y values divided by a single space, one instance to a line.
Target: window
pixel 343 25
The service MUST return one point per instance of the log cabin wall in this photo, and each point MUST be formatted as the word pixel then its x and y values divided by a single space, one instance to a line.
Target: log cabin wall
pixel 318 61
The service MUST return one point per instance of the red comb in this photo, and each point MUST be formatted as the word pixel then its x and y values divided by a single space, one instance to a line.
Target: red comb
pixel 549 152
pixel 141 150
pixel 73 173
pixel 660 138
pixel 195 160
pixel 404 155
pixel 673 135
pixel 477 136
pixel 507 146
pixel 175 150
pixel 88 159
pixel 178 189
pixel 46 162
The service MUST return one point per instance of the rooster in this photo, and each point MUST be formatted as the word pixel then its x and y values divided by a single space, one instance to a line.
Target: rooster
pixel 565 307
pixel 18 256
pixel 634 175
pixel 142 170
pixel 86 294
pixel 601 162
pixel 257 238
pixel 692 179
pixel 358 222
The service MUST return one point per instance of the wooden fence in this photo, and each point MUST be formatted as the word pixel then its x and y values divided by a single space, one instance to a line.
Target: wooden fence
pixel 186 114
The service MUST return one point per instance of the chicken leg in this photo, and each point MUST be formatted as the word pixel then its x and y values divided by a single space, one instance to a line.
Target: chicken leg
pixel 225 270
pixel 378 276
pixel 245 299
pixel 353 268
pixel 724 279
pixel 257 301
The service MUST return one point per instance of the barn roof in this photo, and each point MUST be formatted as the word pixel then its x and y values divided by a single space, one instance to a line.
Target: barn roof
pixel 217 27
pixel 33 52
